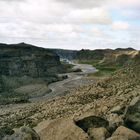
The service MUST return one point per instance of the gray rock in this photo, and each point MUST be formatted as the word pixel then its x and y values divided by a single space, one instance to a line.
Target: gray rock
pixel 5 131
pixel 123 132
pixel 114 121
pixel 118 109
pixel 18 136
pixel 117 138
pixel 24 133
pixel 61 129
pixel 134 101
pixel 98 133
pixel 30 131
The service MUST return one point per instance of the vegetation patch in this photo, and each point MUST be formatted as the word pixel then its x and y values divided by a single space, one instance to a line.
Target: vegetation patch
pixel 66 67
pixel 99 74
pixel 103 69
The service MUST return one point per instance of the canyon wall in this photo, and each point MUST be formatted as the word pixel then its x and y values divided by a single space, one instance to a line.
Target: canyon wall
pixel 23 59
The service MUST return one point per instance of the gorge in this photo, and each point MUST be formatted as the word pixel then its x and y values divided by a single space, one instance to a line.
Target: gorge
pixel 108 104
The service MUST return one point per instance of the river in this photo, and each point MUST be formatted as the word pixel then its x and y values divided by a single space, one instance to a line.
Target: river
pixel 59 88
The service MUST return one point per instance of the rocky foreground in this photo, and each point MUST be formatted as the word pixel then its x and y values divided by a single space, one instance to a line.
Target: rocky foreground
pixel 106 110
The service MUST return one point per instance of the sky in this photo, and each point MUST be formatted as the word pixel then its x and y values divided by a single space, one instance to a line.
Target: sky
pixel 71 24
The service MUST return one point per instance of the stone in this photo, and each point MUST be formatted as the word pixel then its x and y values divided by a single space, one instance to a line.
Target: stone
pixel 24 133
pixel 126 133
pixel 134 101
pixel 114 121
pixel 117 109
pixel 132 116
pixel 61 129
pixel 91 122
pixel 117 138
pixel 5 131
pixel 18 136
pixel 98 133
pixel 30 131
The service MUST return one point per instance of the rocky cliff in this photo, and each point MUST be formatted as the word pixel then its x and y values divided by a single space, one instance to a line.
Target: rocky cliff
pixel 23 59
pixel 25 71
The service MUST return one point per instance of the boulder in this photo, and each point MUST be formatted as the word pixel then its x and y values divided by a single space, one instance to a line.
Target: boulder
pixel 118 110
pixel 123 132
pixel 98 133
pixel 24 133
pixel 61 129
pixel 114 121
pixel 30 131
pixel 132 116
pixel 117 138
pixel 5 131
pixel 18 136
pixel 134 101
pixel 91 122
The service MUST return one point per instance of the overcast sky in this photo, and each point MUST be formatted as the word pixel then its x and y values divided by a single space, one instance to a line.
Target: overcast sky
pixel 71 24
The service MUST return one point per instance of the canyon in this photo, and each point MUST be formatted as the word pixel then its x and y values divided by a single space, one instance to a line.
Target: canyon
pixel 96 108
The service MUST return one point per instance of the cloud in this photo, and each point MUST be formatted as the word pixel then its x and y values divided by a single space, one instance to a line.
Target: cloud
pixel 120 25
pixel 129 3
pixel 13 0
pixel 25 29
pixel 69 23
pixel 91 16
pixel 83 3
pixel 97 31
pixel 41 11
pixel 51 11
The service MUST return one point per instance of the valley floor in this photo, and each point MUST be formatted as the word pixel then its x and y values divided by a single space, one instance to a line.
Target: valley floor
pixel 16 115
pixel 74 80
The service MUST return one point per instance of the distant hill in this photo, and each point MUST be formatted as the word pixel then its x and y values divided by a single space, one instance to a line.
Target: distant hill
pixel 91 54
pixel 107 56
